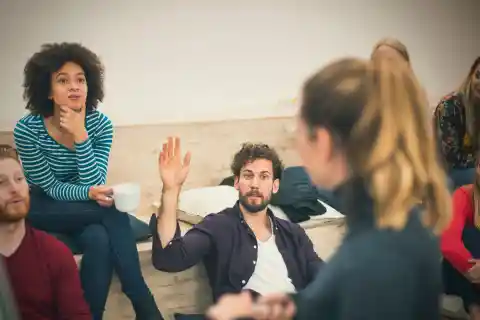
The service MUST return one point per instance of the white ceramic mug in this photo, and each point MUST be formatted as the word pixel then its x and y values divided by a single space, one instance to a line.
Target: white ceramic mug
pixel 127 197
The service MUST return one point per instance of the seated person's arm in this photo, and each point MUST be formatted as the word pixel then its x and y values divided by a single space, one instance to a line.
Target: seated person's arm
pixel 70 302
pixel 451 243
pixel 171 252
pixel 92 156
pixel 38 170
pixel 447 117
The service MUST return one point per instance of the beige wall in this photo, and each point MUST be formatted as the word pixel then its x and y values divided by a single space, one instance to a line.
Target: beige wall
pixel 171 61
pixel 135 150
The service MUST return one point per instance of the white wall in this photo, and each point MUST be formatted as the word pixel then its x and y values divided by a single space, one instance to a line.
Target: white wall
pixel 180 60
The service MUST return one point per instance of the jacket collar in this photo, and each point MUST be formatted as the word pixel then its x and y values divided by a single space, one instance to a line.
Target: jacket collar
pixel 356 204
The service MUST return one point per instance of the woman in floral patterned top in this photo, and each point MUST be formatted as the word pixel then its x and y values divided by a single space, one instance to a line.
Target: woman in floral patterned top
pixel 457 120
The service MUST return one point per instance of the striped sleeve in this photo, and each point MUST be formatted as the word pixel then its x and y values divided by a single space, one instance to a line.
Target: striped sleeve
pixel 92 155
pixel 38 170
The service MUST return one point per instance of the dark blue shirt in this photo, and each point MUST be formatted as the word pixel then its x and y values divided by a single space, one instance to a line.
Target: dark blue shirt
pixel 375 274
pixel 228 248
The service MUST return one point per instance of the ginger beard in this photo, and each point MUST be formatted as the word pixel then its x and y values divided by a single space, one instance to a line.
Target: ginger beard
pixel 14 192
pixel 14 210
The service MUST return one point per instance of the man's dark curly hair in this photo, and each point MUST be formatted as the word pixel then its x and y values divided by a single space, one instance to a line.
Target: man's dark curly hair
pixel 40 67
pixel 253 151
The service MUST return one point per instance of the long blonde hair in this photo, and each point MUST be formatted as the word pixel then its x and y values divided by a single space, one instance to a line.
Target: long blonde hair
pixel 472 116
pixel 377 111
pixel 394 44
pixel 476 198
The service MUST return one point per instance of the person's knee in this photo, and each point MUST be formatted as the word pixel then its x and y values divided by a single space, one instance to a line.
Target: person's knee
pixel 112 215
pixel 95 238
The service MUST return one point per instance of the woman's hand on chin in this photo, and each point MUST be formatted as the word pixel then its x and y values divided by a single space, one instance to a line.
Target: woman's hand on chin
pixel 73 123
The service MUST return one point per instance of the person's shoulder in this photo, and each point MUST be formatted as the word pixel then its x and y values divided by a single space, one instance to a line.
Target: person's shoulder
pixel 98 120
pixel 289 226
pixel 461 197
pixel 52 246
pixel 453 96
pixel 219 222
pixel 29 123
pixel 226 216
pixel 450 102
pixel 463 192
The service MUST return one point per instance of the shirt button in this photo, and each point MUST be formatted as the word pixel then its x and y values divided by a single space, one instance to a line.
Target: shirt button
pixel 243 281
pixel 254 247
pixel 254 262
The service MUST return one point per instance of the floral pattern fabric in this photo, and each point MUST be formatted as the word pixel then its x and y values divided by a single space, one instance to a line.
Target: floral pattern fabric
pixel 456 145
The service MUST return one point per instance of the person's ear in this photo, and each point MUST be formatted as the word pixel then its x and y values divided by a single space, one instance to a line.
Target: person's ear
pixel 323 144
pixel 276 185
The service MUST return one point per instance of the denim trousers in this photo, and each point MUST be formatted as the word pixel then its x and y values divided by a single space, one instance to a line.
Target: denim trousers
pixel 107 242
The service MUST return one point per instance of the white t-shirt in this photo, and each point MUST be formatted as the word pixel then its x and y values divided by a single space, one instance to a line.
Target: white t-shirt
pixel 270 274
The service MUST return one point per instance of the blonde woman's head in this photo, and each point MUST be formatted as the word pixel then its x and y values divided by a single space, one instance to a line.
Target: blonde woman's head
pixel 470 87
pixel 391 49
pixel 367 119
pixel 470 93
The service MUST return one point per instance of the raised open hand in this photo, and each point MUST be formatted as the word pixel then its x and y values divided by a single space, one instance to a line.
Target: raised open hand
pixel 173 171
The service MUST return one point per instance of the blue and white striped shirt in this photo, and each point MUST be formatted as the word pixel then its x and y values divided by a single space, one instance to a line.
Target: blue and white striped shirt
pixel 62 173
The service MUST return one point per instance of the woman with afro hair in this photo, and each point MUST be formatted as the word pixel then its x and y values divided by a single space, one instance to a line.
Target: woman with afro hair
pixel 64 145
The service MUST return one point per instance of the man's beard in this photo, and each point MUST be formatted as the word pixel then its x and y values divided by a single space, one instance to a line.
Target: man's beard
pixel 250 207
pixel 14 212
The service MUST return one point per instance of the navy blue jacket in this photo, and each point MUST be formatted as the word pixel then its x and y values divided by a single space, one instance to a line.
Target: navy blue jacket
pixel 228 248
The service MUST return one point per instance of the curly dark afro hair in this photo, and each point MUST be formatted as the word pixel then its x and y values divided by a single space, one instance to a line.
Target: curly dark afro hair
pixel 51 57
pixel 253 151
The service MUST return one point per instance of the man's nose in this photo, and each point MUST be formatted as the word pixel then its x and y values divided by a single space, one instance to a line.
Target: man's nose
pixel 254 182
pixel 14 189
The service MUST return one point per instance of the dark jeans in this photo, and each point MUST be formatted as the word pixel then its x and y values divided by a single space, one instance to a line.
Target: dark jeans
pixel 454 282
pixel 107 242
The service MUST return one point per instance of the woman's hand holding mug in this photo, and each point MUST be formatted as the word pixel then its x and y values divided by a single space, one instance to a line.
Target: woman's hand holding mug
pixel 103 195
